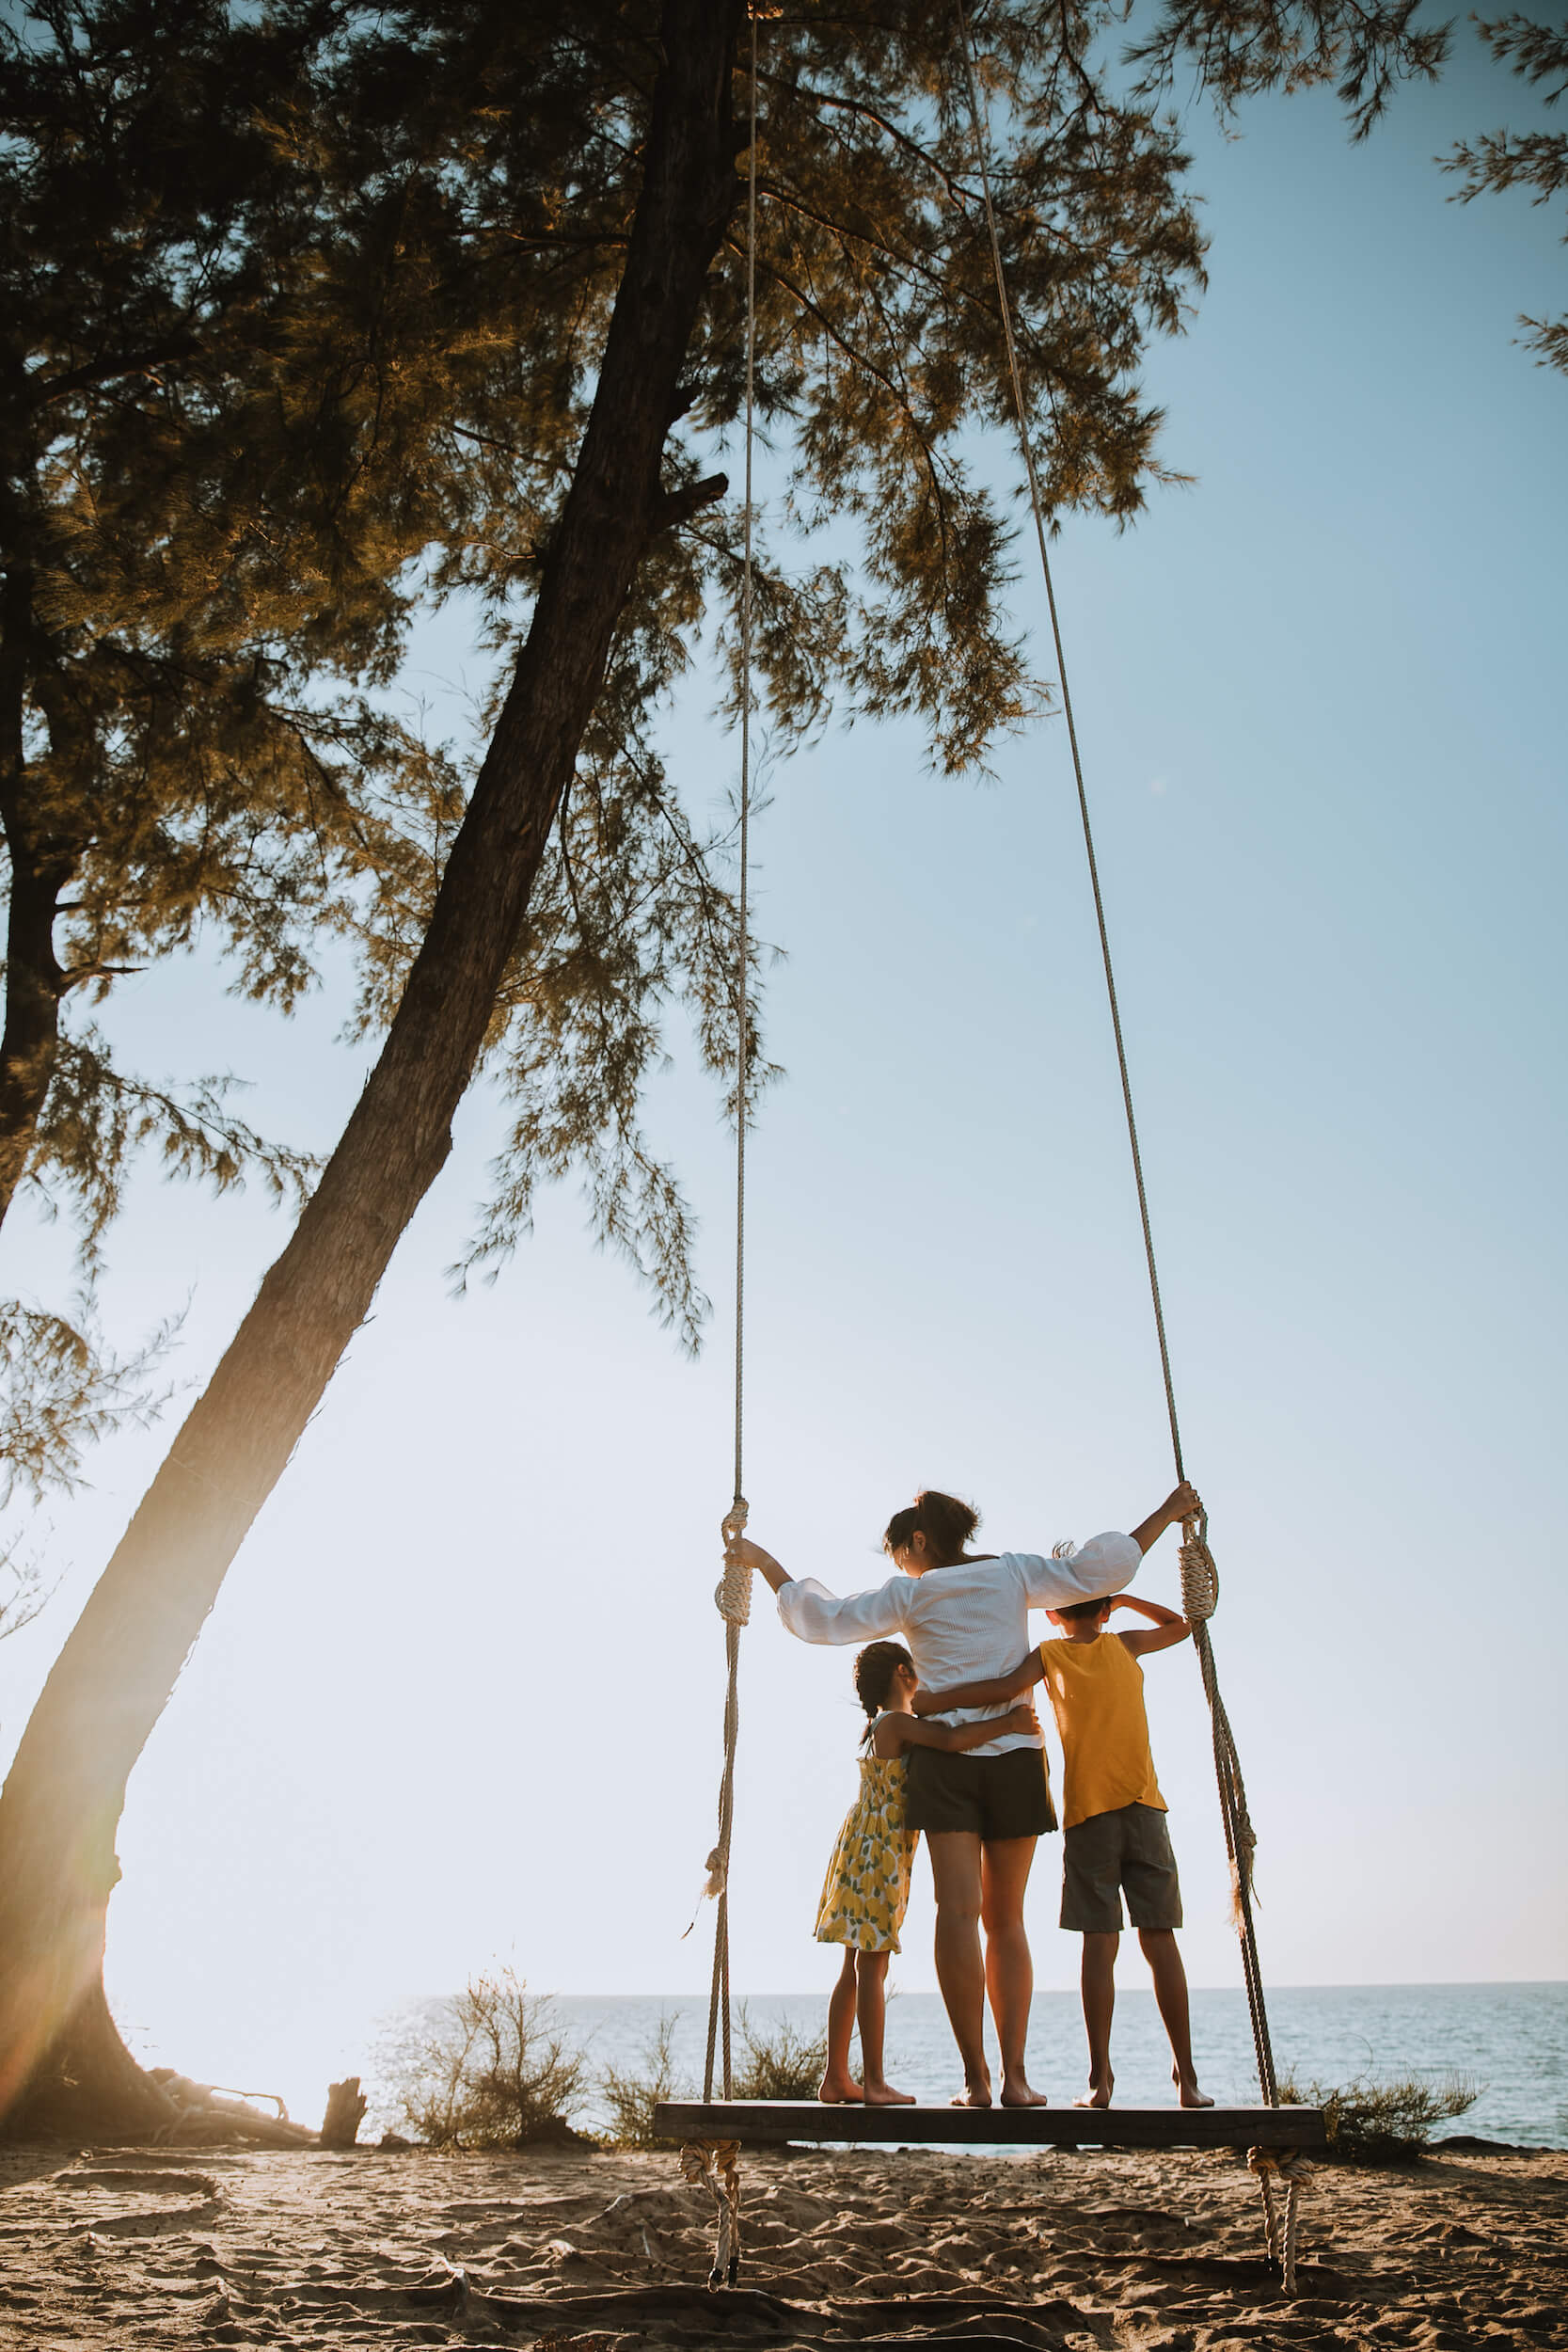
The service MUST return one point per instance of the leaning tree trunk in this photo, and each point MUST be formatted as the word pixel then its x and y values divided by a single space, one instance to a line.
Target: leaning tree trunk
pixel 62 1802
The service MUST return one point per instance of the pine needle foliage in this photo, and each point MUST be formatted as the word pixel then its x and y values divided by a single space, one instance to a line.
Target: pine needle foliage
pixel 22 1592
pixel 197 590
pixel 206 508
pixel 302 308
pixel 1239 48
pixel 62 1388
pixel 1536 160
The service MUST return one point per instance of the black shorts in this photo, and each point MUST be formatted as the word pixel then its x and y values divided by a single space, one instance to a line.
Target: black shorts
pixel 992 1796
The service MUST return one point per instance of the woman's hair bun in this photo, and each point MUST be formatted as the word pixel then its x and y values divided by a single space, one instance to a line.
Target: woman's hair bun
pixel 946 1524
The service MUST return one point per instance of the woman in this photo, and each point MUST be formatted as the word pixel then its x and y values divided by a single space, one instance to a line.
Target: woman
pixel 965 1616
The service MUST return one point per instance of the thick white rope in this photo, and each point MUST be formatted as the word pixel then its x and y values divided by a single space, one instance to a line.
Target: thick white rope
pixel 1240 1840
pixel 733 1595
pixel 715 2163
pixel 1289 2169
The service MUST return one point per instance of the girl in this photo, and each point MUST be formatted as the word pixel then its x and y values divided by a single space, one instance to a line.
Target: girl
pixel 867 1892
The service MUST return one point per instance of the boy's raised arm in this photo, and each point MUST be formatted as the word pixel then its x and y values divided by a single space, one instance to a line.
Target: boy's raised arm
pixel 992 1693
pixel 1168 1625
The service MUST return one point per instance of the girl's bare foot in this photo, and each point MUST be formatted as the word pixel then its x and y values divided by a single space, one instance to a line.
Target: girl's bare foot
pixel 839 2091
pixel 1016 2092
pixel 884 2095
pixel 1188 2090
pixel 1097 2094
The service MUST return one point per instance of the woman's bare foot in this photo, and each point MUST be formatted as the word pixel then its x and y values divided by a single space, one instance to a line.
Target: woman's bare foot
pixel 1097 2094
pixel 1016 2092
pixel 884 2095
pixel 976 2092
pixel 1188 2090
pixel 840 2091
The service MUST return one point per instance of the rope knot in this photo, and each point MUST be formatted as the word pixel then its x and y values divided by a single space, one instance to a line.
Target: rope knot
pixel 1286 2169
pixel 733 1596
pixel 1288 2164
pixel 716 2165
pixel 1200 1578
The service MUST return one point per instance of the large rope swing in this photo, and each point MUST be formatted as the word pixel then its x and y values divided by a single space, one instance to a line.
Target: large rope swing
pixel 1276 2159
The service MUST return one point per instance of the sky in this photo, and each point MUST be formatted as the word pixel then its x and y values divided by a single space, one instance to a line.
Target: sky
pixel 460 1697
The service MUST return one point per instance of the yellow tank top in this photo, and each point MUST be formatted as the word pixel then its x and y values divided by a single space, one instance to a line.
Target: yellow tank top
pixel 1097 1696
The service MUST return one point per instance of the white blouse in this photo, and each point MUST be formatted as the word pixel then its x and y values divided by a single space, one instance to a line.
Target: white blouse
pixel 966 1623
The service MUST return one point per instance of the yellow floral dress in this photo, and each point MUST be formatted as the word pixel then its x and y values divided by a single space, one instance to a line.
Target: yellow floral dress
pixel 866 1891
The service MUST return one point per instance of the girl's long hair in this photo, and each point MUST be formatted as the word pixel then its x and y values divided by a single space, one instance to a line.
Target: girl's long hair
pixel 875 1667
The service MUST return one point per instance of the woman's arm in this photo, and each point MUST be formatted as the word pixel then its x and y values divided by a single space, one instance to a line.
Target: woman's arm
pixel 1028 1670
pixel 1182 1503
pixel 812 1614
pixel 912 1731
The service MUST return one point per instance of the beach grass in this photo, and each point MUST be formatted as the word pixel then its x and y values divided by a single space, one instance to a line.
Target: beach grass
pixel 780 2064
pixel 631 2094
pixel 1382 2122
pixel 495 2073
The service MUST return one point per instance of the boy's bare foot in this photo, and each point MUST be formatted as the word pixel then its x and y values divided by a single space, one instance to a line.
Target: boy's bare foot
pixel 884 2095
pixel 1189 2092
pixel 1016 2092
pixel 1097 2094
pixel 840 2091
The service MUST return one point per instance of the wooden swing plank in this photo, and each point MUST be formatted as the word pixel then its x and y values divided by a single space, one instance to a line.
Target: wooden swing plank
pixel 773 2121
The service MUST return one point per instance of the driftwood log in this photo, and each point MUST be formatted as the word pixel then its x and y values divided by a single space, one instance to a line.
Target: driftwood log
pixel 345 2111
pixel 203 2115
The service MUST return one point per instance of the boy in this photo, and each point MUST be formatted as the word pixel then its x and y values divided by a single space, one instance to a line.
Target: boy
pixel 1113 1813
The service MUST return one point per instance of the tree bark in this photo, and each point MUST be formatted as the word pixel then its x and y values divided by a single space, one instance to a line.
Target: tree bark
pixel 62 1800
pixel 88 2083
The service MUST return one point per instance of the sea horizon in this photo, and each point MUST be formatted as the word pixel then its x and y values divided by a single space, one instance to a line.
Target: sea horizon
pixel 1506 2036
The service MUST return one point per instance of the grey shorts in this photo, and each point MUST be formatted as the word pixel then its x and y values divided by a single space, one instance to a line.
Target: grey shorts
pixel 1131 1849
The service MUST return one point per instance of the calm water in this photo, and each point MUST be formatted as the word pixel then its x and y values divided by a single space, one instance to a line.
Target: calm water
pixel 1511 2040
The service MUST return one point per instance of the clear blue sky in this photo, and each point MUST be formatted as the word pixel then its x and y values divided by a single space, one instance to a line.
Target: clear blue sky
pixel 461 1695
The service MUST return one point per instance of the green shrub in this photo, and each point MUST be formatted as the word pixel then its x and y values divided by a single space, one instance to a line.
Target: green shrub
pixel 631 2098
pixel 1382 2122
pixel 496 2074
pixel 779 2065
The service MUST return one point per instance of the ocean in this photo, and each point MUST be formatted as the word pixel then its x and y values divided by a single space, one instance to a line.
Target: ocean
pixel 1509 2041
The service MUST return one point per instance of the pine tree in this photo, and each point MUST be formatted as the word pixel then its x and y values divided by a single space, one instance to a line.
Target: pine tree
pixel 595 149
pixel 196 595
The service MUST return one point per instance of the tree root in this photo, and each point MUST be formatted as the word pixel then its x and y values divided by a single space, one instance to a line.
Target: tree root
pixel 90 2089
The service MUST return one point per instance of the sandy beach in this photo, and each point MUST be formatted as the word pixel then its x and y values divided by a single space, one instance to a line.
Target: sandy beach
pixel 148 2247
